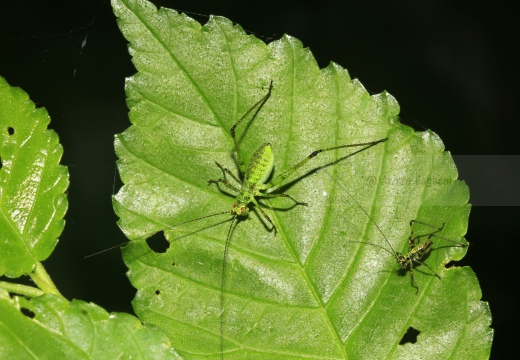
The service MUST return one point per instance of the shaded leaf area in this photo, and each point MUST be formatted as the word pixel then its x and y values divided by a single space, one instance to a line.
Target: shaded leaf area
pixel 317 289
pixel 32 183
pixel 49 327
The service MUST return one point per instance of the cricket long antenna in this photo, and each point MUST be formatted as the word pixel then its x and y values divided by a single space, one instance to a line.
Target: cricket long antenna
pixel 367 214
pixel 203 217
pixel 171 227
pixel 226 247
pixel 376 245
pixel 105 250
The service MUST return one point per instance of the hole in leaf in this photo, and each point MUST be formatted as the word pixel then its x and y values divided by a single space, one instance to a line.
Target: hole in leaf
pixel 158 243
pixel 450 264
pixel 157 292
pixel 410 336
pixel 173 264
pixel 10 130
pixel 30 314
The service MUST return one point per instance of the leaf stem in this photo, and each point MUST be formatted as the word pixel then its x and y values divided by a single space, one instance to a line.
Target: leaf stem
pixel 43 280
pixel 21 289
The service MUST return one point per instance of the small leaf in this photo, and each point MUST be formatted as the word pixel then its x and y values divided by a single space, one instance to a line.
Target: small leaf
pixel 32 183
pixel 52 328
pixel 316 289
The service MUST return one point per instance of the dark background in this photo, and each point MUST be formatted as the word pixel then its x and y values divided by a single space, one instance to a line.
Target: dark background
pixel 454 68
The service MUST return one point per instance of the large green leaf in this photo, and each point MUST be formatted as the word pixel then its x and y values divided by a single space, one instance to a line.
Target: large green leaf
pixel 316 289
pixel 53 328
pixel 33 205
pixel 32 184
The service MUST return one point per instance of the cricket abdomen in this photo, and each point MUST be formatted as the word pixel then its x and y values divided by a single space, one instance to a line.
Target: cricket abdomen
pixel 419 251
pixel 260 166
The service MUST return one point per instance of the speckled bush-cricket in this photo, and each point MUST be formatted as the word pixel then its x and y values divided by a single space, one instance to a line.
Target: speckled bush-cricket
pixel 255 175
pixel 417 250
pixel 252 182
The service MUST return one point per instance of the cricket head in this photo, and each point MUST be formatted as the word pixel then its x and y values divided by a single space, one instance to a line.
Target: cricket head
pixel 240 209
pixel 401 260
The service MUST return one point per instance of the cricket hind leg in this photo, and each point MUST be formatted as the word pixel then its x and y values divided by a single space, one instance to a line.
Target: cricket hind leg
pixel 255 109
pixel 432 234
pixel 279 180
pixel 296 202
